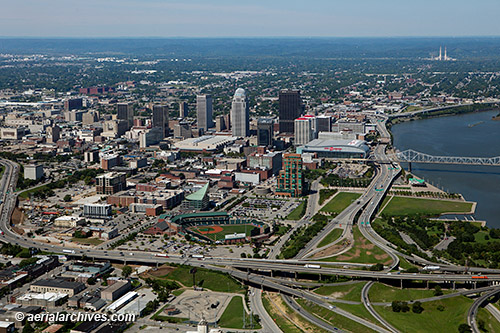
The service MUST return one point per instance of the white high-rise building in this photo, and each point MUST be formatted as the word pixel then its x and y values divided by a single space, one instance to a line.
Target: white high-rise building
pixel 240 114
pixel 204 111
pixel 304 130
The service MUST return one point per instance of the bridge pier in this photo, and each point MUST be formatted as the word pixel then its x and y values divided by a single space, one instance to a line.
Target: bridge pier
pixel 427 284
pixel 409 166
pixel 401 283
pixel 454 287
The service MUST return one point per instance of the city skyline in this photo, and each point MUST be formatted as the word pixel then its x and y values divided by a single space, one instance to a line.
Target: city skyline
pixel 222 18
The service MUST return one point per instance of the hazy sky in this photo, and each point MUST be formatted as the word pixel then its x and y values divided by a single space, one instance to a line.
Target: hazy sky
pixel 216 18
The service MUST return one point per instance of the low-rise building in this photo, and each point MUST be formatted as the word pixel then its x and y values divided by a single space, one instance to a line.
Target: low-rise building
pixel 33 171
pixel 116 290
pixel 68 221
pixel 58 285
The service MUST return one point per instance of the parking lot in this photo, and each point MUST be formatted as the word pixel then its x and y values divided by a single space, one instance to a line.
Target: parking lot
pixel 265 209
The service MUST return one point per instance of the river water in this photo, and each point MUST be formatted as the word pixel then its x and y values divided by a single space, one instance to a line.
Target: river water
pixel 474 135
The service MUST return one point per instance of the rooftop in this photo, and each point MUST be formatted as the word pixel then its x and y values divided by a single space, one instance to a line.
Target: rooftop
pixel 198 195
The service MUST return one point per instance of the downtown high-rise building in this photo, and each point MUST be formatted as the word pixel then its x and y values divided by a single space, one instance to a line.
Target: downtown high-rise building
pixel 265 131
pixel 240 117
pixel 125 111
pixel 204 111
pixel 304 130
pixel 290 178
pixel 290 108
pixel 324 124
pixel 183 109
pixel 160 118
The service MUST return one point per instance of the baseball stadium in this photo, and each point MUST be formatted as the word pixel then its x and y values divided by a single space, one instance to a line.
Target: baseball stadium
pixel 218 227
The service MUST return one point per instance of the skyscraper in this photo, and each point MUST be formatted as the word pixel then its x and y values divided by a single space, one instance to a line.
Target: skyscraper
pixel 290 180
pixel 204 111
pixel 265 132
pixel 240 126
pixel 304 130
pixel 324 124
pixel 183 109
pixel 160 118
pixel 290 108
pixel 125 111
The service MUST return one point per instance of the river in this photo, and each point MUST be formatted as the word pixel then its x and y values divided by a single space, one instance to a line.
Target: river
pixel 474 135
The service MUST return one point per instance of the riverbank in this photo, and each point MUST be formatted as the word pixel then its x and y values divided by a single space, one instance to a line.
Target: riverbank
pixel 453 136
pixel 458 110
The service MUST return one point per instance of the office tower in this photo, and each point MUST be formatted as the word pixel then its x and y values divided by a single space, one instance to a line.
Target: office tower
pixel 324 124
pixel 204 111
pixel 125 111
pixel 160 118
pixel 290 179
pixel 265 132
pixel 53 134
pixel 290 108
pixel 220 124
pixel 304 131
pixel 183 130
pixel 240 126
pixel 73 104
pixel 183 109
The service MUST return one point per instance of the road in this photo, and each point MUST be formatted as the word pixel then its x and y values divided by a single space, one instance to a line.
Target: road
pixel 267 323
pixel 366 302
pixel 471 315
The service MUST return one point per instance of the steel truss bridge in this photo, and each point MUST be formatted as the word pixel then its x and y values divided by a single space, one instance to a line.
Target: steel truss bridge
pixel 412 156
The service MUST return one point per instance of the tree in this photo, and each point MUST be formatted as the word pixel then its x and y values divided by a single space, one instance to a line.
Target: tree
pixel 377 267
pixel 67 198
pixel 396 306
pixel 28 329
pixel 464 328
pixel 417 307
pixel 126 271
pixel 438 291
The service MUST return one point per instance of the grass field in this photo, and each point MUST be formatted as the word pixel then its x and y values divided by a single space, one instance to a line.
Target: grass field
pixel 363 251
pixel 26 194
pixel 490 323
pixel 285 317
pixel 214 281
pixel 283 323
pixel 429 207
pixel 357 310
pixel 332 236
pixel 233 315
pixel 227 229
pixel 431 319
pixel 87 241
pixel 340 202
pixel 334 319
pixel 383 293
pixel 348 292
pixel 298 212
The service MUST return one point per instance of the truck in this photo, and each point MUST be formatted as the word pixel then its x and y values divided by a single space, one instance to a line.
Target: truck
pixel 161 255
pixel 431 268
pixel 197 256
pixel 69 251
pixel 312 266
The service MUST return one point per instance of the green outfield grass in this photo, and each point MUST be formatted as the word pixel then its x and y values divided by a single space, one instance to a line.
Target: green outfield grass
pixel 228 229
pixel 429 207
pixel 340 202
pixel 331 237
pixel 431 319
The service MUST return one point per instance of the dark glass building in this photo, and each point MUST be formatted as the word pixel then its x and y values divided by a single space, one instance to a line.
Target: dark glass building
pixel 265 132
pixel 160 118
pixel 290 108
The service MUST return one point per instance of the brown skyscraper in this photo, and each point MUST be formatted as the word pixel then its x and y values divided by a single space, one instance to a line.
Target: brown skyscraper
pixel 290 108
pixel 290 180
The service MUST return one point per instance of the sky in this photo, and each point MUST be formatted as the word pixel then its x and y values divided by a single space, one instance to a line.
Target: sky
pixel 254 18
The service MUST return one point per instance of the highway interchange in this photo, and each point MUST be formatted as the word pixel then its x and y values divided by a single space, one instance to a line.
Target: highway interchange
pixel 256 271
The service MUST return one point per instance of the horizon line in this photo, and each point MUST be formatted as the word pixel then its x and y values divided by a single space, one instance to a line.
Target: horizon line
pixel 246 37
